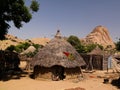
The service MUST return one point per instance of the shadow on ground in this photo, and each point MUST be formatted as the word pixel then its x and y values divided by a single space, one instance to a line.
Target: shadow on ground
pixel 116 82
pixel 13 74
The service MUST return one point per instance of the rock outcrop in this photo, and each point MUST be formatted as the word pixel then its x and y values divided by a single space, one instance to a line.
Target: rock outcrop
pixel 10 40
pixel 13 40
pixel 99 35
pixel 41 41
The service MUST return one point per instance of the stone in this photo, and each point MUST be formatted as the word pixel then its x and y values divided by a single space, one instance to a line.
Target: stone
pixel 101 36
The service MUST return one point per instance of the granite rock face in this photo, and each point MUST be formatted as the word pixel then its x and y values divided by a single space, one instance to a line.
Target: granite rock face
pixel 99 35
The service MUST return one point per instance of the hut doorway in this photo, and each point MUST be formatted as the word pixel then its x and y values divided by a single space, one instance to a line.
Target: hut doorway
pixel 57 73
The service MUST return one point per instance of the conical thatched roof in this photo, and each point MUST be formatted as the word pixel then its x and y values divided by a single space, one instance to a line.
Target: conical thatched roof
pixel 29 49
pixel 96 51
pixel 58 52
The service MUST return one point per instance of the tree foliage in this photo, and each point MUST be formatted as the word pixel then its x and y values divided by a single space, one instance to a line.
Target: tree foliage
pixel 74 41
pixel 118 45
pixel 90 47
pixel 23 46
pixel 15 11
pixel 34 6
pixel 81 48
pixel 19 48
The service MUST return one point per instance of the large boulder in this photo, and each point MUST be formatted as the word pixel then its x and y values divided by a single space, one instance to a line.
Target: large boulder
pixel 99 35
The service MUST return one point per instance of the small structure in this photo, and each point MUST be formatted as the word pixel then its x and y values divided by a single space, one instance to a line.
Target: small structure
pixel 96 53
pixel 30 49
pixel 57 60
pixel 96 59
pixel 9 64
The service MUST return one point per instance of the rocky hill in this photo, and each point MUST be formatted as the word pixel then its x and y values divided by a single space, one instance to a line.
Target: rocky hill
pixel 41 41
pixel 12 40
pixel 99 35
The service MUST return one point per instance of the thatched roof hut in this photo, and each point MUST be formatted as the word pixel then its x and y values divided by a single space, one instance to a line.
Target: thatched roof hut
pixel 30 49
pixel 58 52
pixel 96 51
pixel 96 59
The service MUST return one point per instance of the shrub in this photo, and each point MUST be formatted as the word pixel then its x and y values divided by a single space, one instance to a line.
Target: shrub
pixel 81 48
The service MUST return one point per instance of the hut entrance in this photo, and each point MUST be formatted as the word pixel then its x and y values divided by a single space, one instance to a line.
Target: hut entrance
pixel 57 73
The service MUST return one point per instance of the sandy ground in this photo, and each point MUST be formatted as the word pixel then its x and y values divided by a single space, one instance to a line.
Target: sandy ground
pixel 29 84
pixel 92 81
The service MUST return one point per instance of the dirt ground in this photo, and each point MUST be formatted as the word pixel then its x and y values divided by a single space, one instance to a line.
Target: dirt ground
pixel 91 81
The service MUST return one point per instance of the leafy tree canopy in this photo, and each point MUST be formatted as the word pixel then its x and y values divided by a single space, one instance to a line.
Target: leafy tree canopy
pixel 74 40
pixel 15 11
pixel 23 46
pixel 81 48
pixel 118 45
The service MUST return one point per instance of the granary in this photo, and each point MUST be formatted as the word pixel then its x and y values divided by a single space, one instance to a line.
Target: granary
pixel 96 59
pixel 96 56
pixel 57 60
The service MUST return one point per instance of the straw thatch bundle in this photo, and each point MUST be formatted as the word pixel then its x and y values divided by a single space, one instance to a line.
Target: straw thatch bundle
pixel 30 49
pixel 57 58
pixel 97 51
pixel 96 59
pixel 54 53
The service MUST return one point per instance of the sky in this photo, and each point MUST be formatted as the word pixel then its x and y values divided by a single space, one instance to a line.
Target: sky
pixel 71 17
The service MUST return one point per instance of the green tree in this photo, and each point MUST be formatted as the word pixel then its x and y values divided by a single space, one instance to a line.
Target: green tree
pixel 90 47
pixel 18 48
pixel 81 48
pixel 17 12
pixel 37 46
pixel 11 48
pixel 34 6
pixel 74 41
pixel 118 45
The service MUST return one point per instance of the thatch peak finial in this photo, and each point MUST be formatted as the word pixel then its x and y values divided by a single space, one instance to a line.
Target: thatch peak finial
pixel 58 34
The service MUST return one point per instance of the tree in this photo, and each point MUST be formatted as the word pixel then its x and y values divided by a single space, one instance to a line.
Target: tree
pixel 17 12
pixel 118 45
pixel 19 48
pixel 34 6
pixel 81 48
pixel 74 41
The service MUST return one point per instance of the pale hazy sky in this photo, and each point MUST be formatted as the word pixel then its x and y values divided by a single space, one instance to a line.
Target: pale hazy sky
pixel 72 17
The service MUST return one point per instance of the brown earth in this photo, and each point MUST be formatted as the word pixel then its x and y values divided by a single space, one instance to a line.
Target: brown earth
pixel 91 81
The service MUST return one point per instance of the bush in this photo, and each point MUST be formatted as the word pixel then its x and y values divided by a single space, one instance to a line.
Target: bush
pixel 75 42
pixel 118 45
pixel 18 48
pixel 11 48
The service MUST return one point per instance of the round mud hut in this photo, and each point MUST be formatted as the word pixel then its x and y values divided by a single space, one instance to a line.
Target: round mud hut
pixel 57 60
